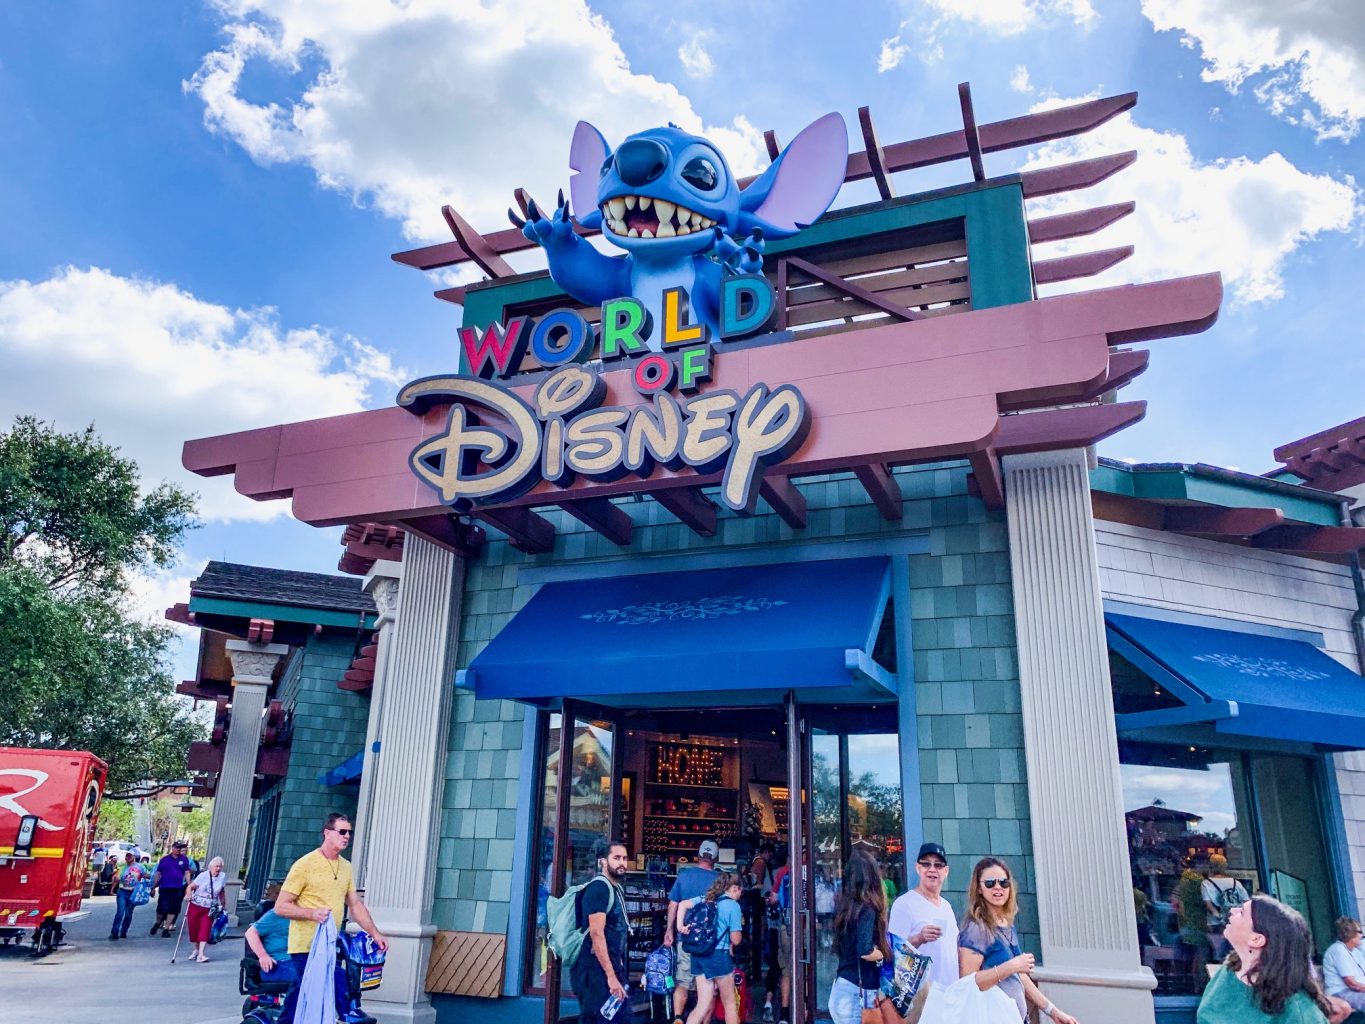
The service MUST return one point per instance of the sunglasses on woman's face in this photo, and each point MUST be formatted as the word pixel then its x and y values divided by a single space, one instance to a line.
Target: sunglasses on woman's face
pixel 991 883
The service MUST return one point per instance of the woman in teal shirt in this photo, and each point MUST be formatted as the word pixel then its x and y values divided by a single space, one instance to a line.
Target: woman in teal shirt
pixel 1266 979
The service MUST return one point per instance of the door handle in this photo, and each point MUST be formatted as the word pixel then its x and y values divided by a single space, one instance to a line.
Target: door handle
pixel 806 959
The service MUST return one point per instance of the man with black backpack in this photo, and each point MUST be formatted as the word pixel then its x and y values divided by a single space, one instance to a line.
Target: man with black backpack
pixel 1221 892
pixel 599 972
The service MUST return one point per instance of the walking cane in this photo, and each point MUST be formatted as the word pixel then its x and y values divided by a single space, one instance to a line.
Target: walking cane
pixel 178 936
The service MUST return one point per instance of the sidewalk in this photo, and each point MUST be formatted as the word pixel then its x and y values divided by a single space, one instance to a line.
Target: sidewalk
pixel 94 981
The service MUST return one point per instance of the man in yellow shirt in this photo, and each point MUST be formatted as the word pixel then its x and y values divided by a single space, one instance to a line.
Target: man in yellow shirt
pixel 319 884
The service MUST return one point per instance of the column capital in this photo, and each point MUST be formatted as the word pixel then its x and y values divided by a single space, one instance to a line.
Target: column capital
pixel 253 662
pixel 381 583
pixel 1056 457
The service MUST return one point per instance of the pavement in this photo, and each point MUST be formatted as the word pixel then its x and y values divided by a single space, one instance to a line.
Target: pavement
pixel 94 981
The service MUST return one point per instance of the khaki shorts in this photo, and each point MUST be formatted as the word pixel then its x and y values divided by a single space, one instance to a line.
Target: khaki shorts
pixel 784 947
pixel 682 968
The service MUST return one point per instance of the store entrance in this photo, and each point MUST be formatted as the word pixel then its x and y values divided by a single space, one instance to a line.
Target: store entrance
pixel 666 781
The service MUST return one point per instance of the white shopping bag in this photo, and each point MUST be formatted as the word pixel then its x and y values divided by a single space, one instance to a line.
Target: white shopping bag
pixel 317 991
pixel 963 1003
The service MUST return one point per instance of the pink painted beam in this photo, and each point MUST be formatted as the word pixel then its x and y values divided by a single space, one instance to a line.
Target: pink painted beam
pixel 1315 540
pixel 970 134
pixel 455 295
pixel 895 393
pixel 604 517
pixel 1354 430
pixel 476 245
pixel 526 530
pixel 990 482
pixel 783 498
pixel 1086 264
pixel 1228 522
pixel 1078 223
pixel 1122 368
pixel 1047 181
pixel 1065 428
pixel 692 508
pixel 882 488
pixel 876 157
pixel 770 143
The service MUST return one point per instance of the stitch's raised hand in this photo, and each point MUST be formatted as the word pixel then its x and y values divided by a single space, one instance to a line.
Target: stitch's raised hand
pixel 555 230
pixel 740 257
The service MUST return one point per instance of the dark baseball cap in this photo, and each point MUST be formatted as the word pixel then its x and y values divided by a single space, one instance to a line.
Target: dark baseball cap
pixel 932 848
pixel 179 844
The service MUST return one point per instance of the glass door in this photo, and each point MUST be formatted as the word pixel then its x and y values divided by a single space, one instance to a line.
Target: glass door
pixel 801 854
pixel 582 806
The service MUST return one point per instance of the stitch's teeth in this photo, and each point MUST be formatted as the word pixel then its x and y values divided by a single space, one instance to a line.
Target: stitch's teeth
pixel 666 229
pixel 646 233
pixel 633 233
pixel 644 202
pixel 664 209
pixel 619 226
pixel 683 229
pixel 617 208
pixel 686 216
pixel 630 202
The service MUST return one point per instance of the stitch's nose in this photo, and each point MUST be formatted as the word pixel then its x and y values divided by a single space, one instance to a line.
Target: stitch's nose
pixel 640 161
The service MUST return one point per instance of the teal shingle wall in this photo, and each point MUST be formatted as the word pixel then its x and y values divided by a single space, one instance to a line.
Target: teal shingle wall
pixel 970 741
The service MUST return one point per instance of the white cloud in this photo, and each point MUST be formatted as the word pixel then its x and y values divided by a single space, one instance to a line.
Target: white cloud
pixel 426 102
pixel 1306 60
pixel 1019 79
pixel 1247 218
pixel 695 60
pixel 929 20
pixel 152 366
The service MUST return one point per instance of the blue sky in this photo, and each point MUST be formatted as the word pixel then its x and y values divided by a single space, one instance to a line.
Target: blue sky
pixel 200 200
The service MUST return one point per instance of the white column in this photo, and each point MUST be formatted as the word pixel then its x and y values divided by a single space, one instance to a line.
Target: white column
pixel 381 583
pixel 414 685
pixel 1091 963
pixel 252 668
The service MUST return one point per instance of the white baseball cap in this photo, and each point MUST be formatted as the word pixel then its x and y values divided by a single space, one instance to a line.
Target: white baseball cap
pixel 709 850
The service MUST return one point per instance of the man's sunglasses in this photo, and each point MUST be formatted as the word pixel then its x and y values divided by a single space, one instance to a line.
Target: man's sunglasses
pixel 991 883
pixel 932 864
pixel 342 831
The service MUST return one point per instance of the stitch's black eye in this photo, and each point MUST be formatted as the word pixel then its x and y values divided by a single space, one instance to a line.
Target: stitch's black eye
pixel 606 165
pixel 701 174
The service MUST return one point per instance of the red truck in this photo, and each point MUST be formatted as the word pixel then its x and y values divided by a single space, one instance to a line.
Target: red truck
pixel 49 803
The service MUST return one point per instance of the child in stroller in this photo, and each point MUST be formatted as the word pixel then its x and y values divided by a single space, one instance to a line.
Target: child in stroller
pixel 359 967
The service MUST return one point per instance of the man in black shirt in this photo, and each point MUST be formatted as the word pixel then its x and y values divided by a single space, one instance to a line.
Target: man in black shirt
pixel 600 971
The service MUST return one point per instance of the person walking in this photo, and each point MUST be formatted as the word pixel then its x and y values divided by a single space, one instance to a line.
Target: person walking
pixel 1267 978
pixel 319 885
pixel 758 898
pixel 169 880
pixel 208 894
pixel 988 945
pixel 1343 965
pixel 714 969
pixel 924 919
pixel 780 975
pixel 128 877
pixel 600 971
pixel 859 939
pixel 692 882
pixel 1220 892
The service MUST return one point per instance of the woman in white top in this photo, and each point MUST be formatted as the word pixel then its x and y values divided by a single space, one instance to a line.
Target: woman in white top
pixel 923 918
pixel 206 893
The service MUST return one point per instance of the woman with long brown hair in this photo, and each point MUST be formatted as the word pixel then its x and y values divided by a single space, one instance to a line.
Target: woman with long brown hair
pixel 988 945
pixel 1267 978
pixel 713 964
pixel 860 940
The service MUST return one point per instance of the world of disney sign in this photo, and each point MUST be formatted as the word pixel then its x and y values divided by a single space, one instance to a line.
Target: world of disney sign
pixel 689 283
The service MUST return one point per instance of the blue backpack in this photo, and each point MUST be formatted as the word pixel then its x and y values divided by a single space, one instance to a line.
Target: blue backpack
pixel 702 920
pixel 659 971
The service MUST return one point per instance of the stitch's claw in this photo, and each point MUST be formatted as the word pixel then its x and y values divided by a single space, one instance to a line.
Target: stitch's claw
pixel 517 222
pixel 556 229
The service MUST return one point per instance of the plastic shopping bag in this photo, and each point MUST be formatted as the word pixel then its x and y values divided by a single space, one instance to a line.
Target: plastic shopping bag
pixel 905 980
pixel 963 1003
pixel 317 991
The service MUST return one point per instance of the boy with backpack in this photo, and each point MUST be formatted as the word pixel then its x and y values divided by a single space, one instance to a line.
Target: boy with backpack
pixel 711 927
pixel 590 933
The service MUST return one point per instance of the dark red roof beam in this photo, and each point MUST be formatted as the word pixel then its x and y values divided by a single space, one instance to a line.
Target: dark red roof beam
pixel 528 531
pixel 784 499
pixel 1122 368
pixel 1079 174
pixel 1086 264
pixel 876 157
pixel 1312 540
pixel 1074 225
pixel 882 488
pixel 604 517
pixel 1013 133
pixel 1221 522
pixel 970 134
pixel 1065 428
pixel 692 508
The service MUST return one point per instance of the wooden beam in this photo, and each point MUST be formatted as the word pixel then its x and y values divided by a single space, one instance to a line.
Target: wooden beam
pixel 1064 428
pixel 443 530
pixel 784 499
pixel 691 507
pixel 478 247
pixel 455 295
pixel 1120 370
pixel 528 531
pixel 1078 174
pixel 1225 522
pixel 847 287
pixel 875 156
pixel 1086 264
pixel 1077 223
pixel 604 517
pixel 1315 540
pixel 969 132
pixel 882 488
pixel 990 482
pixel 770 141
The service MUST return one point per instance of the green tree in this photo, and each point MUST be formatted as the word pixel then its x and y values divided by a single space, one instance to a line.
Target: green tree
pixel 116 820
pixel 78 671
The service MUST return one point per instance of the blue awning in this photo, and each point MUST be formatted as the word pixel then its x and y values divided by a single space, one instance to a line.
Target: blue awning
pixel 347 771
pixel 682 639
pixel 1241 685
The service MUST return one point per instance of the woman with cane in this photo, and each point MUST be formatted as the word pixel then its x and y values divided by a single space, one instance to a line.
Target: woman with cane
pixel 206 896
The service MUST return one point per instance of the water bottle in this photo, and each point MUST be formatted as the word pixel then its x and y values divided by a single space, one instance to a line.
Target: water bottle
pixel 610 1007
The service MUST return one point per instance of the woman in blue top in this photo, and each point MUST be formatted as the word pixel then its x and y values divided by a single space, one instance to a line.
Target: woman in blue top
pixel 716 970
pixel 988 945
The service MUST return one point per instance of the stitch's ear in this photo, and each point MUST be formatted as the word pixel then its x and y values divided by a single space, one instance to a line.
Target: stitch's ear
pixel 801 183
pixel 587 153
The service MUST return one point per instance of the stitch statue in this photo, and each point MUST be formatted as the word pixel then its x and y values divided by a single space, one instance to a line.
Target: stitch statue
pixel 670 200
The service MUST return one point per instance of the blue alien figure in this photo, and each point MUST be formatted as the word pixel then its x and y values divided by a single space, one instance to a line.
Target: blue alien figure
pixel 670 200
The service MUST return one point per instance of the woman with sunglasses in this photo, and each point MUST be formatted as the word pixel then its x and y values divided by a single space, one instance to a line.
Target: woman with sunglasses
pixel 988 945
pixel 859 939
pixel 1267 978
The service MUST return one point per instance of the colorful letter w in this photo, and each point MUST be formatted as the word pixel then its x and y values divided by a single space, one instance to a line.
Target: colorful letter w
pixel 497 351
